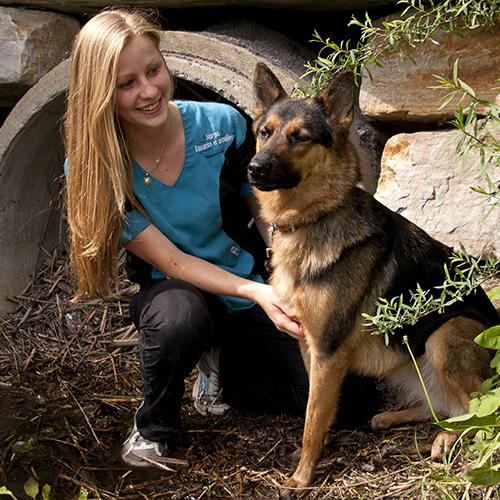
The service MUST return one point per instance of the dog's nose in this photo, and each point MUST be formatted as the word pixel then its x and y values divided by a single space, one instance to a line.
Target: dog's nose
pixel 255 168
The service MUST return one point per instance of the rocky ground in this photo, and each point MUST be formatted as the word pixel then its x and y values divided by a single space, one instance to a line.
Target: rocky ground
pixel 69 387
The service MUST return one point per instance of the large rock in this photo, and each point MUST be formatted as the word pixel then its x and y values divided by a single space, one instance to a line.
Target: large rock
pixel 420 181
pixel 32 44
pixel 400 91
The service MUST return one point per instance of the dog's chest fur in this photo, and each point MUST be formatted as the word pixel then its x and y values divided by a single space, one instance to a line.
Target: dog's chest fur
pixel 316 260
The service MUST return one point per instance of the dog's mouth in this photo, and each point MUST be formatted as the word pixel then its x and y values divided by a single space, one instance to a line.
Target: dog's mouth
pixel 270 179
pixel 272 186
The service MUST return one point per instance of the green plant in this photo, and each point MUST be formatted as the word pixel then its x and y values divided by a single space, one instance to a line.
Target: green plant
pixel 484 419
pixel 31 488
pixel 416 25
pixel 468 274
pixel 478 125
pixel 5 491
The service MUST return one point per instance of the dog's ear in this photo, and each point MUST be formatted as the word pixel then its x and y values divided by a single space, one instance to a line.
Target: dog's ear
pixel 266 90
pixel 338 99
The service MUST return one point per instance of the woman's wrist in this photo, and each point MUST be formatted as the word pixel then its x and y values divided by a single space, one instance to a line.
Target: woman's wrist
pixel 252 290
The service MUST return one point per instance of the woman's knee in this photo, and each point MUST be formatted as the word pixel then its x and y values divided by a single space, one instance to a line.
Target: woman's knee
pixel 171 311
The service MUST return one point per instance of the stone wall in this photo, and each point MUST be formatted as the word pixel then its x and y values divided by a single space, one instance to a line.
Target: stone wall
pixel 420 178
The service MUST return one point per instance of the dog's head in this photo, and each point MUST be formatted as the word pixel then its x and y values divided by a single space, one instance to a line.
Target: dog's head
pixel 296 139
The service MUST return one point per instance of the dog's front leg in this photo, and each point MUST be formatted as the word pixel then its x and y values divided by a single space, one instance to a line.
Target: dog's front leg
pixel 325 379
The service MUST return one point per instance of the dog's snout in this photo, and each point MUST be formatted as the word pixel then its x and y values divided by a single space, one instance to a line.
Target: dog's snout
pixel 268 172
pixel 256 168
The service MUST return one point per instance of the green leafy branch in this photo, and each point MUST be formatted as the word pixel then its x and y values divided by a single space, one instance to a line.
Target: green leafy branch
pixel 416 25
pixel 468 274
pixel 478 125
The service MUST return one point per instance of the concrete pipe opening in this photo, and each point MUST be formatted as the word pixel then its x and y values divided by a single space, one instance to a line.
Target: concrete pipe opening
pixel 206 67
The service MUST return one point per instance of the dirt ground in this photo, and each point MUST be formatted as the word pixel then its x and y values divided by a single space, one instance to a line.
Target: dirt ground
pixel 69 388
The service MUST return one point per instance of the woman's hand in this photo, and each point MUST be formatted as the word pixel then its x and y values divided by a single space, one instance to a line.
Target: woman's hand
pixel 153 247
pixel 278 311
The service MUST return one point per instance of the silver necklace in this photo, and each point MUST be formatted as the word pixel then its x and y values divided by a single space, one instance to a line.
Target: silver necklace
pixel 147 180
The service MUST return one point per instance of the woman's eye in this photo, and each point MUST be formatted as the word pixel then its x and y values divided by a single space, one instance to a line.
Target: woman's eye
pixel 125 85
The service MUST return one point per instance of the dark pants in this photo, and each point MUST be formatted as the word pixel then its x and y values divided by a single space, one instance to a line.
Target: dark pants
pixel 261 368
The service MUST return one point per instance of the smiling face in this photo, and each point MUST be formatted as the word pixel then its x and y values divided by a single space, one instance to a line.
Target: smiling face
pixel 143 85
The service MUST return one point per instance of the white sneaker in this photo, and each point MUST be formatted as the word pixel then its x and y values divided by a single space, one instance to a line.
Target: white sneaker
pixel 136 447
pixel 207 390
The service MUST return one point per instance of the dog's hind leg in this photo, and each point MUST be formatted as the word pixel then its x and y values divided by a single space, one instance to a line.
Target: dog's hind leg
pixel 326 376
pixel 452 367
pixel 461 365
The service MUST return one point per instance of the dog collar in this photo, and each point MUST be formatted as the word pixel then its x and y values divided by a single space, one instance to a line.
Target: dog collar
pixel 286 229
pixel 291 228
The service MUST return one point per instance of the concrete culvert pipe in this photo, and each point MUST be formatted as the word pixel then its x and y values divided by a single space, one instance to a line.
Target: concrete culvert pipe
pixel 32 154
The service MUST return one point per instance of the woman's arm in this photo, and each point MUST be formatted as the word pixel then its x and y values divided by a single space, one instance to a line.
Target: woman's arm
pixel 156 249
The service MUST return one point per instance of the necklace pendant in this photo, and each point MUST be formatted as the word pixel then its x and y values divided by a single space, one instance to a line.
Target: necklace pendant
pixel 147 180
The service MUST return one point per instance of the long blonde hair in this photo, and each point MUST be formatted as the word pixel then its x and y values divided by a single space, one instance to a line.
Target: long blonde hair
pixel 99 180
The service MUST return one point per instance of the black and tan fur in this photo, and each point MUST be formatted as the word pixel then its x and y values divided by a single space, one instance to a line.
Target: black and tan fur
pixel 336 250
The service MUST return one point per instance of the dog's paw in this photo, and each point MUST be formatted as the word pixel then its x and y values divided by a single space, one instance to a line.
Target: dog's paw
pixel 286 494
pixel 382 421
pixel 292 488
pixel 443 444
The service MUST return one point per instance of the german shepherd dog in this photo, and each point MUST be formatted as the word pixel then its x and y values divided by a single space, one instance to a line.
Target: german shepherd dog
pixel 336 251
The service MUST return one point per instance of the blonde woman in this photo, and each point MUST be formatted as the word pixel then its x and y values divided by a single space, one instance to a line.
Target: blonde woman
pixel 165 179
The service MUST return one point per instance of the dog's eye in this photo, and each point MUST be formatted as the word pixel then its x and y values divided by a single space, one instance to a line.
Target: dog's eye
pixel 297 138
pixel 263 134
